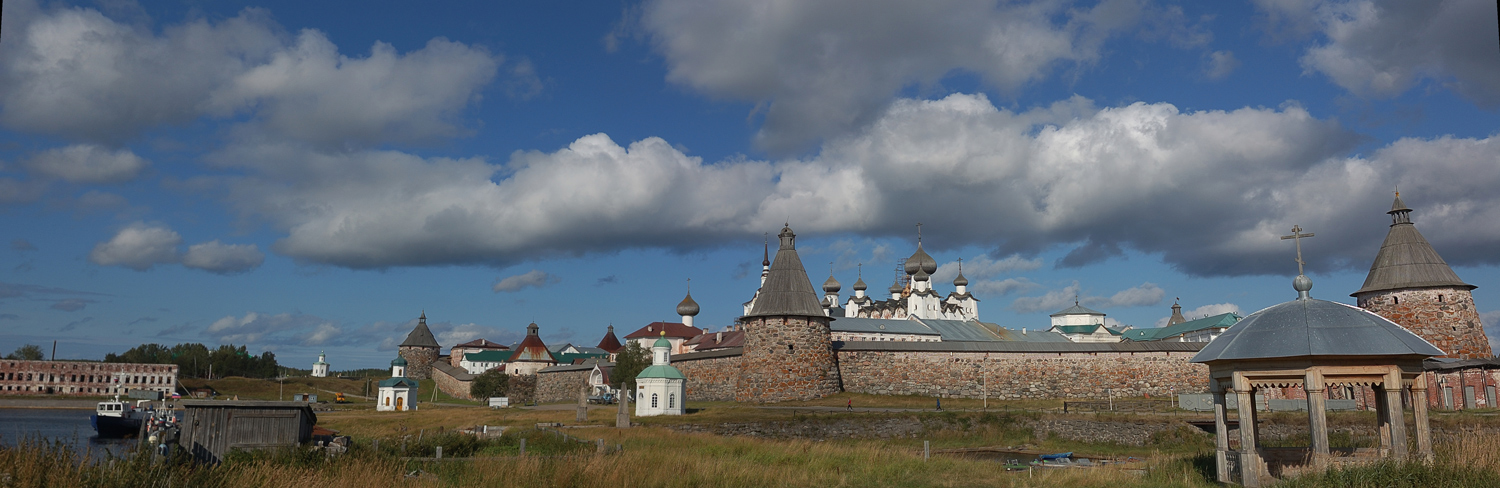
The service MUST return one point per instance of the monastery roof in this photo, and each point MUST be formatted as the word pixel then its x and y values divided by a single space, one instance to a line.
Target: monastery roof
pixel 481 344
pixel 420 336
pixel 1018 346
pixel 1083 329
pixel 488 356
pixel 661 371
pixel 531 349
pixel 1159 333
pixel 787 291
pixel 881 326
pixel 1310 327
pixel 400 382
pixel 961 330
pixel 610 343
pixel 1077 309
pixel 578 357
pixel 1009 335
pixel 675 330
pixel 1406 260
pixel 709 341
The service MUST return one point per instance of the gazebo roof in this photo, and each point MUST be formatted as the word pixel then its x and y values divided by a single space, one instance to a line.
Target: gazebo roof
pixel 1308 327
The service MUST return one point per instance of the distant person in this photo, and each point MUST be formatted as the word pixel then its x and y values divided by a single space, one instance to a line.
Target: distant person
pixel 850 406
pixel 939 404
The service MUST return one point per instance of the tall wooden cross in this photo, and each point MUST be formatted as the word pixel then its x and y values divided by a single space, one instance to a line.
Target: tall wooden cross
pixel 919 232
pixel 1297 235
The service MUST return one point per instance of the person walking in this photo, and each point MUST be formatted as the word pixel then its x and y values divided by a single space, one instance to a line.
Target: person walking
pixel 850 406
pixel 940 404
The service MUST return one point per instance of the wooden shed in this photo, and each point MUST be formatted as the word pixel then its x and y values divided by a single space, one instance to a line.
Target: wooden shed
pixel 210 429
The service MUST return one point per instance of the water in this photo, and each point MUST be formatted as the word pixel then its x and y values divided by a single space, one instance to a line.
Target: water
pixel 68 426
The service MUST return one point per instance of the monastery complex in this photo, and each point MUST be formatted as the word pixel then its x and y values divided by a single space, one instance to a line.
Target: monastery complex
pixel 793 343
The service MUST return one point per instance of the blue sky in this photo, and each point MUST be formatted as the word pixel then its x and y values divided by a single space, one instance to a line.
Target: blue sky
pixel 302 178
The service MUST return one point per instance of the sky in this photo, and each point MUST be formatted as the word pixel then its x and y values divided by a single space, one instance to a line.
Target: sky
pixel 303 177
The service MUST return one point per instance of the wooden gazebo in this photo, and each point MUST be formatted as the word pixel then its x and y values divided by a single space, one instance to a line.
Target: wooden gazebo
pixel 1314 344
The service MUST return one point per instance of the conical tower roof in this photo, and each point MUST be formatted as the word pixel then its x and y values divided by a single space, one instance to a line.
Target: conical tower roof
pixel 421 336
pixel 787 291
pixel 1406 260
pixel 610 343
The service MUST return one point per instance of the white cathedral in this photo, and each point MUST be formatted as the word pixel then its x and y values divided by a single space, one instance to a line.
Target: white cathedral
pixel 911 298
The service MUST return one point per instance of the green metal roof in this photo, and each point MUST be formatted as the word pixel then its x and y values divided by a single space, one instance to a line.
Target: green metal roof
pixel 662 342
pixel 402 381
pixel 570 358
pixel 1159 333
pixel 488 356
pixel 1083 329
pixel 661 371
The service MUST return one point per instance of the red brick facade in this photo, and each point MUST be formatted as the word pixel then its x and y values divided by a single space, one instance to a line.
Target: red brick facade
pixel 18 377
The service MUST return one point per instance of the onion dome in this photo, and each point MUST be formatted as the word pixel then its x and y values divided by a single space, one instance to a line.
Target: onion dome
pixel 859 285
pixel 921 275
pixel 399 361
pixel 895 288
pixel 688 307
pixel 832 285
pixel 960 280
pixel 920 261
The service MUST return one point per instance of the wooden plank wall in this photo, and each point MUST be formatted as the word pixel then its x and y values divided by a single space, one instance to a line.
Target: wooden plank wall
pixel 211 432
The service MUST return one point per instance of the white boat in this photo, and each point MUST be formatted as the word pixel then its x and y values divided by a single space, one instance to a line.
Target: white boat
pixel 114 418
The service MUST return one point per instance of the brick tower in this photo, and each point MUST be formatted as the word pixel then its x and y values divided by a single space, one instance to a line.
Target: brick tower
pixel 1411 285
pixel 788 349
pixel 420 350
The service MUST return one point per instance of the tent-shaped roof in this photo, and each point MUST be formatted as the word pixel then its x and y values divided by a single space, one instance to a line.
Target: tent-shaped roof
pixel 1077 309
pixel 1406 260
pixel 1311 327
pixel 420 336
pixel 1159 333
pixel 787 291
pixel 610 343
pixel 531 349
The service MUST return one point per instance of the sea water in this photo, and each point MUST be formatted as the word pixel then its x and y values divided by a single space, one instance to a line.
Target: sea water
pixel 68 426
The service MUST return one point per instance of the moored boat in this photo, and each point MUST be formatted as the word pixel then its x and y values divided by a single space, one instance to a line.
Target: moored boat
pixel 116 419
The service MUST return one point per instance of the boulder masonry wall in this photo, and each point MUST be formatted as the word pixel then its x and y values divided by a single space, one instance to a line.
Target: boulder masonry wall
pixel 1021 375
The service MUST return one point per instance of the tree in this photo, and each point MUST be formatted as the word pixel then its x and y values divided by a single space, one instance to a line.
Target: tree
pixel 30 352
pixel 491 383
pixel 629 362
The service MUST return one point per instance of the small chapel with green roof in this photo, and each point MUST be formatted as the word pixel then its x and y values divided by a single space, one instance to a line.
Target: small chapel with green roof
pixel 660 389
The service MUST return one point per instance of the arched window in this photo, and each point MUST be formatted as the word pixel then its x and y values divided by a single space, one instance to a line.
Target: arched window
pixel 387 401
pixel 671 400
pixel 653 400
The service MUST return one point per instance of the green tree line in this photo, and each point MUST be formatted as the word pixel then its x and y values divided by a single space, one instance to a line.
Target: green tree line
pixel 197 360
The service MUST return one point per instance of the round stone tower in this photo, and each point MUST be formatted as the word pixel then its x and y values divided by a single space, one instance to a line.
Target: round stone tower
pixel 788 351
pixel 420 349
pixel 1411 285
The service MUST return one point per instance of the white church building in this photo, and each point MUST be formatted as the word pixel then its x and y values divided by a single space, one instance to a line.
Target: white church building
pixel 397 394
pixel 660 389
pixel 320 368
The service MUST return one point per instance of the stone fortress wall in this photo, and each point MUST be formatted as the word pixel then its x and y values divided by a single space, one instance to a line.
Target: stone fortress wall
pixel 786 358
pixel 1445 316
pixel 419 361
pixel 1029 375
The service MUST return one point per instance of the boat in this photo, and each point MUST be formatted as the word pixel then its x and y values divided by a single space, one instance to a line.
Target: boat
pixel 117 419
pixel 1058 456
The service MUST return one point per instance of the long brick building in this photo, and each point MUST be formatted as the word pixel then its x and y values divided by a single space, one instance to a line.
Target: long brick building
pixel 81 378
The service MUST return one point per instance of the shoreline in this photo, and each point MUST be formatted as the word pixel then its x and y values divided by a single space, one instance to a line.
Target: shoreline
pixel 50 403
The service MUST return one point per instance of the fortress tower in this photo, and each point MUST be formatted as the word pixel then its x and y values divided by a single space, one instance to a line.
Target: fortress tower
pixel 420 350
pixel 788 350
pixel 1411 285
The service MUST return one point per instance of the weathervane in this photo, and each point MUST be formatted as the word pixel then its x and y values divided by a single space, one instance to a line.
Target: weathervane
pixel 1297 235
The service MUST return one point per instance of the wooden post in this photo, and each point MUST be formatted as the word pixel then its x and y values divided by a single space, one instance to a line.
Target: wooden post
pixel 583 404
pixel 1249 458
pixel 1317 418
pixel 622 418
pixel 1393 409
pixel 1382 417
pixel 1419 410
pixel 1221 435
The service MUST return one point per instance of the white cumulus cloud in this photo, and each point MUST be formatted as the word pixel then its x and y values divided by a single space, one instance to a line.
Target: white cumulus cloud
pixel 138 246
pixel 87 163
pixel 1141 295
pixel 535 278
pixel 220 258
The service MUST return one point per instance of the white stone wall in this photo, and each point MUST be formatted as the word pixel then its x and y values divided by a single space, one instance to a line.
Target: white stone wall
pixel 394 399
